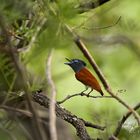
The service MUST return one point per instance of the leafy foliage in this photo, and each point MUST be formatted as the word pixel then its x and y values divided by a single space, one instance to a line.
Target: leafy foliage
pixel 7 71
pixel 35 27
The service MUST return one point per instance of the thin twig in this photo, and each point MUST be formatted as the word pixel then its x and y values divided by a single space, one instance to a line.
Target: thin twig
pixel 30 115
pixel 89 124
pixel 89 57
pixel 81 94
pixel 98 28
pixel 101 76
pixel 64 114
pixel 52 116
pixel 136 115
pixel 122 121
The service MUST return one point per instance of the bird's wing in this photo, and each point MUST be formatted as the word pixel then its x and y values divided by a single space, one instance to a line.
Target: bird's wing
pixel 86 77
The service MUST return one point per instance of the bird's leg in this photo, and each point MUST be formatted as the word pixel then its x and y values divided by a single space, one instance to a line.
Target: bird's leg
pixel 84 90
pixel 89 92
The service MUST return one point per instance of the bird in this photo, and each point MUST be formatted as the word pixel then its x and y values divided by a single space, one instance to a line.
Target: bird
pixel 83 75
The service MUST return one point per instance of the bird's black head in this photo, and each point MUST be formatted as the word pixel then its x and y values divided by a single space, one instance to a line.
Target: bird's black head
pixel 75 64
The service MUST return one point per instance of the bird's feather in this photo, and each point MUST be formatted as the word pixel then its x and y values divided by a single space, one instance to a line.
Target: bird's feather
pixel 86 77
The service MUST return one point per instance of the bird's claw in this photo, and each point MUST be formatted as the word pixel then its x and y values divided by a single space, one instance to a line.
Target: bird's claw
pixel 82 93
pixel 87 95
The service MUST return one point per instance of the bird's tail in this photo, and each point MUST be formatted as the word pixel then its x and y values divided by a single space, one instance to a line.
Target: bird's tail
pixel 101 92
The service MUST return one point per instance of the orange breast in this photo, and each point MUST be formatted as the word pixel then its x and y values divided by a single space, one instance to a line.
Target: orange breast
pixel 86 77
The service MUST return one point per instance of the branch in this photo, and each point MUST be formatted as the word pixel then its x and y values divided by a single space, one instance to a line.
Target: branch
pixel 64 114
pixel 89 57
pixel 89 124
pixel 52 116
pixel 91 60
pixel 23 77
pixel 104 27
pixel 90 5
pixel 122 121
pixel 81 94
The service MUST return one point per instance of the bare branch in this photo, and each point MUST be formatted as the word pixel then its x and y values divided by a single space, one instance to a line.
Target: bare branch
pixel 81 94
pixel 122 121
pixel 52 116
pixel 64 114
pixel 89 124
pixel 91 60
pixel 89 57
pixel 98 28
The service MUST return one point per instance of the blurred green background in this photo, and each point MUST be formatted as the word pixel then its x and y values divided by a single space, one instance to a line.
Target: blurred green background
pixel 116 50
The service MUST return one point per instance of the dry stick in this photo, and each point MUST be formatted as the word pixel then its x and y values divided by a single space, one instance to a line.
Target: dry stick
pixel 52 116
pixel 81 94
pixel 122 121
pixel 89 57
pixel 19 68
pixel 109 26
pixel 86 53
pixel 64 114
pixel 89 124
pixel 30 115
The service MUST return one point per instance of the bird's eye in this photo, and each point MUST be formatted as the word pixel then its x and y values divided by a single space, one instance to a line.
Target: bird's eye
pixel 76 61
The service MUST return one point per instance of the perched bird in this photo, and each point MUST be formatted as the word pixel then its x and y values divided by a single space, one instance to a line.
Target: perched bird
pixel 83 75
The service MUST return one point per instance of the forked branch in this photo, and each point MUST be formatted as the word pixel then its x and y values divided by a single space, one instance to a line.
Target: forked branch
pixel 64 114
pixel 122 121
pixel 101 76
pixel 81 94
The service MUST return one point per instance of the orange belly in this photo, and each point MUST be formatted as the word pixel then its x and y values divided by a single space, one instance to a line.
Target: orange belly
pixel 86 77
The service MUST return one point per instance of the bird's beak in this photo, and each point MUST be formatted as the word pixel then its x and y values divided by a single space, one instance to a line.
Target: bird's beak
pixel 68 63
